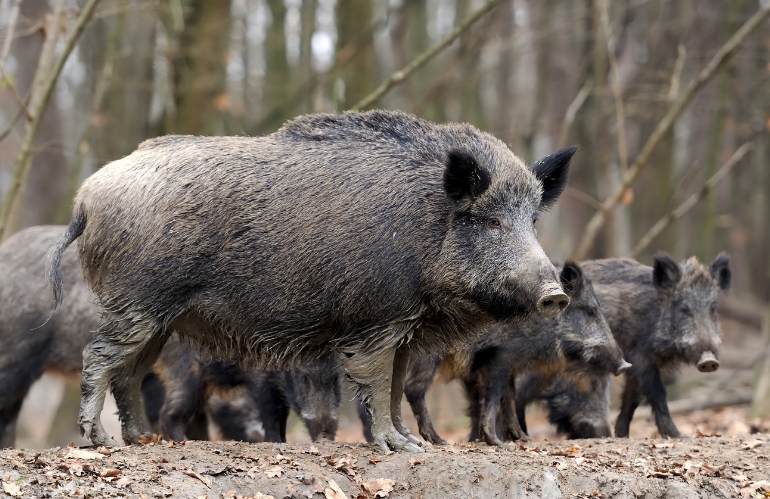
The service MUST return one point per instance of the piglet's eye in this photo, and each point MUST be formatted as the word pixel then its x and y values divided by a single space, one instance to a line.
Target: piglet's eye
pixel 494 223
pixel 591 312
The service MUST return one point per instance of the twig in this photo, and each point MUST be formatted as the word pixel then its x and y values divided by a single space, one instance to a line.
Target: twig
pixel 682 209
pixel 664 126
pixel 22 164
pixel 582 196
pixel 422 59
pixel 9 37
pixel 676 75
pixel 620 114
pixel 12 122
pixel 572 110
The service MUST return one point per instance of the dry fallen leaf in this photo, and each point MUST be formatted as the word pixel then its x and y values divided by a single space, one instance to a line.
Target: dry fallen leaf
pixel 345 463
pixel 334 491
pixel 699 433
pixel 122 482
pixel 206 481
pixel 306 488
pixel 710 469
pixel 12 489
pixel 751 444
pixel 313 450
pixel 84 454
pixel 274 472
pixel 665 445
pixel 260 495
pixel 104 450
pixel 110 472
pixel 414 461
pixel 253 472
pixel 150 439
pixel 380 488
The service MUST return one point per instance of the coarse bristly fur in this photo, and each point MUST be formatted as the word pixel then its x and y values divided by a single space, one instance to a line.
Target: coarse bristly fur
pixel 357 233
pixel 662 317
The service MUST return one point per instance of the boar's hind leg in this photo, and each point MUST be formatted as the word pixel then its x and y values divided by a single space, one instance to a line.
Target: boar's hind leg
pixel 117 357
pixel 373 375
pixel 655 393
pixel 400 371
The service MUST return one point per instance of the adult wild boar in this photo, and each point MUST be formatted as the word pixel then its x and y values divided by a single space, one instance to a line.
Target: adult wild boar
pixel 366 234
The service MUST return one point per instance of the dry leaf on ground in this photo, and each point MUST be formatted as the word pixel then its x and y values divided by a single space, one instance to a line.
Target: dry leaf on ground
pixel 205 480
pixel 379 488
pixel 84 454
pixel 274 472
pixel 334 491
pixel 305 488
pixel 12 489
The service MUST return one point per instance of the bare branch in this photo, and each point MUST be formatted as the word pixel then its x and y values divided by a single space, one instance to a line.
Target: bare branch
pixel 9 37
pixel 676 75
pixel 422 59
pixel 685 207
pixel 620 114
pixel 664 127
pixel 22 164
pixel 582 196
pixel 7 130
pixel 572 110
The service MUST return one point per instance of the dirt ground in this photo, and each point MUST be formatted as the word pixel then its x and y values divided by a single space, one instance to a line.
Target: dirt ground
pixel 692 467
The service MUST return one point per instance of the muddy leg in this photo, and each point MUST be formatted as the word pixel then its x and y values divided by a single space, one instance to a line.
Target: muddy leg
pixel 630 401
pixel 512 429
pixel 400 370
pixel 127 383
pixel 373 374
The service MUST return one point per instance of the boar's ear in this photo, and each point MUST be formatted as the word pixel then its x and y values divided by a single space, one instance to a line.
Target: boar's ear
pixel 665 271
pixel 720 270
pixel 553 171
pixel 572 279
pixel 463 177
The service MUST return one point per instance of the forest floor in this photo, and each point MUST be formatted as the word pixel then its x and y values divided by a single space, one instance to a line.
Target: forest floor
pixel 707 466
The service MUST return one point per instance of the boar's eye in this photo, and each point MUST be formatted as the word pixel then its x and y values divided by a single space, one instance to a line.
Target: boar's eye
pixel 713 309
pixel 685 310
pixel 591 312
pixel 535 218
pixel 494 223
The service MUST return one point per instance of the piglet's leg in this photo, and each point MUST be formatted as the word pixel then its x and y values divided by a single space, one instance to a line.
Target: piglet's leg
pixel 373 373
pixel 416 387
pixel 512 429
pixel 655 392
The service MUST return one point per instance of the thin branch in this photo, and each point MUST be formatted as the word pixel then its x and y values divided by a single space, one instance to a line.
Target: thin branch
pixel 582 196
pixel 12 122
pixel 664 127
pixel 422 59
pixel 690 203
pixel 572 110
pixel 676 75
pixel 620 114
pixel 22 164
pixel 9 37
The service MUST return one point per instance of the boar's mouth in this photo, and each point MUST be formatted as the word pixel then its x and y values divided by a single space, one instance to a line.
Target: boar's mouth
pixel 504 305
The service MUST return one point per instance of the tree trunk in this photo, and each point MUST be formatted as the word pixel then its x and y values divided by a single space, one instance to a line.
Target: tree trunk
pixel 359 72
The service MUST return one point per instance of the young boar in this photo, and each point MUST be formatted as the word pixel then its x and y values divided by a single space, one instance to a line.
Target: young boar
pixel 246 404
pixel 578 340
pixel 369 235
pixel 577 403
pixel 662 316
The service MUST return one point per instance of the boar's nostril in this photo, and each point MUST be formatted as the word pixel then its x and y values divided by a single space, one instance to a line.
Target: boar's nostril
pixel 708 363
pixel 552 304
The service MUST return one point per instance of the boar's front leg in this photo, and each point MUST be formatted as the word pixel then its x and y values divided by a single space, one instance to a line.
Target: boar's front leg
pixel 400 371
pixel 629 403
pixel 655 392
pixel 373 373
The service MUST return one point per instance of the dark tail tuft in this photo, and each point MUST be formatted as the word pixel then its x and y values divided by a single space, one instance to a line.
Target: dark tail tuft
pixel 53 261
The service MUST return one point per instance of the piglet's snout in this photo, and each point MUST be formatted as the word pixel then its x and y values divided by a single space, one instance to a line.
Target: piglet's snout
pixel 708 362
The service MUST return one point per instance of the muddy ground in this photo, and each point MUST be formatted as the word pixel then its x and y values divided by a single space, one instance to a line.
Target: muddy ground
pixel 707 466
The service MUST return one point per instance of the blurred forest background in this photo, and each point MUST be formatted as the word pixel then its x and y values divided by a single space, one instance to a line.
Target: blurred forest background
pixel 662 107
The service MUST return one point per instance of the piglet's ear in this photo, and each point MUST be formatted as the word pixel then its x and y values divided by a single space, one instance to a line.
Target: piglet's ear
pixel 572 279
pixel 665 271
pixel 464 178
pixel 720 270
pixel 553 171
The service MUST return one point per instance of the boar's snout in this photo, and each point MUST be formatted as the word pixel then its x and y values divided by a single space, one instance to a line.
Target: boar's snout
pixel 623 367
pixel 552 302
pixel 708 363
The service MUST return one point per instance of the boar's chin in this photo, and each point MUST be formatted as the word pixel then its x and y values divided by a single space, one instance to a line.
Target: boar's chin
pixel 504 307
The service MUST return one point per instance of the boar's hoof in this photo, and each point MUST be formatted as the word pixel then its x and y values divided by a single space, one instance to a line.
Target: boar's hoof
pixel 708 363
pixel 395 441
pixel 552 304
pixel 624 366
pixel 96 434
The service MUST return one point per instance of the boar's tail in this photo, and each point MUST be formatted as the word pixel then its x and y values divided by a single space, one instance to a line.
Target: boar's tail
pixel 53 263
